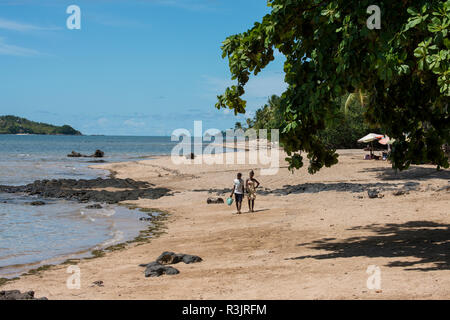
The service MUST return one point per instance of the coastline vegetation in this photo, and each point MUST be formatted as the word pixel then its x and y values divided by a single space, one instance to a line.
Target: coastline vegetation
pixel 17 125
pixel 343 129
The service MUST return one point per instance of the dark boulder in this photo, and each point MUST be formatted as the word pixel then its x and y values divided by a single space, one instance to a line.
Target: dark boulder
pixel 37 203
pixel 373 194
pixel 188 259
pixel 98 283
pixel 160 266
pixel 75 155
pixel 214 201
pixel 169 258
pixel 17 295
pixel 173 258
pixel 155 269
pixel 94 206
pixel 98 154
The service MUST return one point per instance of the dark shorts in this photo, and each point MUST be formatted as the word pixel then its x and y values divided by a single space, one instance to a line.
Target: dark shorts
pixel 239 197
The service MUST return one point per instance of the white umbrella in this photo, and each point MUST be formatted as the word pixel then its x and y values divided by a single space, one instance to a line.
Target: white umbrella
pixel 370 137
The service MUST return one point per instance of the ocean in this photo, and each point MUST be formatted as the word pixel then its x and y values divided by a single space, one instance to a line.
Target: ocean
pixel 34 235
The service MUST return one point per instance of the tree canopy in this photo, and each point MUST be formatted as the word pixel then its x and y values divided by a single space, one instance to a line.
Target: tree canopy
pixel 347 127
pixel 402 69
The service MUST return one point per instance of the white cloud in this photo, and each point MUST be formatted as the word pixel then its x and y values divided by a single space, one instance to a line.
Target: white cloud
pixel 134 123
pixel 12 50
pixel 102 121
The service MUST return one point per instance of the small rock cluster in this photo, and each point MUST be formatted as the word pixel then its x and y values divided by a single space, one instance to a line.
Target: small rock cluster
pixel 374 194
pixel 94 206
pixel 215 201
pixel 399 193
pixel 97 154
pixel 17 295
pixel 161 265
pixel 37 203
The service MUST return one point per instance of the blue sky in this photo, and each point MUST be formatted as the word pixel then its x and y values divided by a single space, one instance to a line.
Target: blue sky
pixel 136 67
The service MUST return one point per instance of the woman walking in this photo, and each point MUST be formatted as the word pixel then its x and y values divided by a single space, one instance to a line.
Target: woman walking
pixel 251 185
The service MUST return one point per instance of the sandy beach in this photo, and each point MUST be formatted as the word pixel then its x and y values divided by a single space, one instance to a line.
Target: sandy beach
pixel 312 237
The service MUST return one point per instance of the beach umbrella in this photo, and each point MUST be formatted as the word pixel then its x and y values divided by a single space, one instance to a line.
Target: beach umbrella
pixel 386 140
pixel 370 137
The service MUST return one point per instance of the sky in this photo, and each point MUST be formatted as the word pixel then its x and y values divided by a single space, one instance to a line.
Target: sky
pixel 136 67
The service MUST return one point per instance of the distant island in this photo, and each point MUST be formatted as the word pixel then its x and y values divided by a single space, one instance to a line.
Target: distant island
pixel 16 125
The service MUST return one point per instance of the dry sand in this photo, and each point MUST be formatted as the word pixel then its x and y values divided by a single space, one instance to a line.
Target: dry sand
pixel 313 243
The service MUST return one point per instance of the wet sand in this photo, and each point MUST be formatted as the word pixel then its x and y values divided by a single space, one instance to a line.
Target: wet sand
pixel 312 237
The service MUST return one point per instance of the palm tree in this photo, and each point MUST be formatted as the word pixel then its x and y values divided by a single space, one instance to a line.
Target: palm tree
pixel 359 96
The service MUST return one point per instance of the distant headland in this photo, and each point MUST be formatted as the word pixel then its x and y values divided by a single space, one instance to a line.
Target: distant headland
pixel 16 125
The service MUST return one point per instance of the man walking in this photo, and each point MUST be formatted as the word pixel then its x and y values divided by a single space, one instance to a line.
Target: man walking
pixel 238 191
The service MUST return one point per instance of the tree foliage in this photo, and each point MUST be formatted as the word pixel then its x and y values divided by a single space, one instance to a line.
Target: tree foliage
pixel 347 125
pixel 269 116
pixel 342 131
pixel 402 67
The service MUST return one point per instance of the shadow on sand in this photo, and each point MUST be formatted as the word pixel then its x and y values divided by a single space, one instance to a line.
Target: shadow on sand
pixel 316 187
pixel 413 173
pixel 340 187
pixel 427 242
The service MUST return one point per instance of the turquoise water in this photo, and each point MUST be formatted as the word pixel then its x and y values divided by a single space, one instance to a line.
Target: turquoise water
pixel 29 235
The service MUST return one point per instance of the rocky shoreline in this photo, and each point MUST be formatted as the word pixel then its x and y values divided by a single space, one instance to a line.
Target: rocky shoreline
pixel 93 192
pixel 90 190
pixel 87 191
pixel 17 295
pixel 161 265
